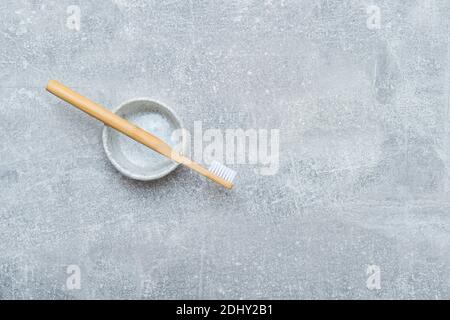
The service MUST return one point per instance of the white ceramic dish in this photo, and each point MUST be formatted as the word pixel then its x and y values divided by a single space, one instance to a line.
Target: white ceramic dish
pixel 132 159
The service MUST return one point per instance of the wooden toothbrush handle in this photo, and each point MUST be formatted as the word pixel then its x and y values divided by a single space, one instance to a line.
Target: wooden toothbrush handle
pixel 109 118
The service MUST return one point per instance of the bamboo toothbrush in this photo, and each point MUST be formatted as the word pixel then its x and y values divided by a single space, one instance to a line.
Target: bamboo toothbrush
pixel 217 172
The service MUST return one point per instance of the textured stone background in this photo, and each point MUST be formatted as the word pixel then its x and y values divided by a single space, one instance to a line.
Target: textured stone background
pixel 364 154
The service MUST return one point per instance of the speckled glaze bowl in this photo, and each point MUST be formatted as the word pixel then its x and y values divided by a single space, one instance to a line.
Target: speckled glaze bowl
pixel 137 161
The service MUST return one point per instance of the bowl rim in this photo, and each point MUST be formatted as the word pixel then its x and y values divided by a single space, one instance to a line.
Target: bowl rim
pixel 128 173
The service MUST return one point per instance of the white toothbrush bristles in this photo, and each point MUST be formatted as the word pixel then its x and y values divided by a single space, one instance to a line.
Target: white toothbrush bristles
pixel 224 172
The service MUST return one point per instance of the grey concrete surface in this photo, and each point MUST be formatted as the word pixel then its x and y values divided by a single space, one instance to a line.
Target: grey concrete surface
pixel 364 151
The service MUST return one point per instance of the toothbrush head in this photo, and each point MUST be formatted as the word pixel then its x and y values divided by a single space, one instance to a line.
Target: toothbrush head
pixel 222 171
